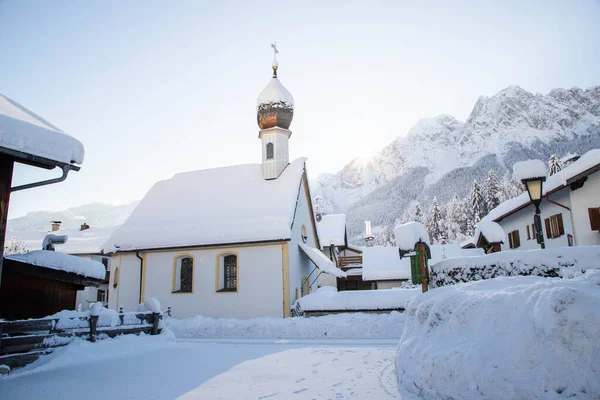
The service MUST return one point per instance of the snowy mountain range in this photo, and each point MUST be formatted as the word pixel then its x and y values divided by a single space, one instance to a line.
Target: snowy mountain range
pixel 97 215
pixel 442 156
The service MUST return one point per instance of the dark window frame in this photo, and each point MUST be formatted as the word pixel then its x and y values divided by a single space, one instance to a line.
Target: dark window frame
pixel 270 151
pixel 514 240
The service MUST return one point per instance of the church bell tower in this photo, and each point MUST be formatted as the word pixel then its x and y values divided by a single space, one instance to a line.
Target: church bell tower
pixel 275 110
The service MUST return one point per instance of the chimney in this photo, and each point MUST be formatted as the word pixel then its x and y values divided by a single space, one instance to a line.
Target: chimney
pixel 84 227
pixel 55 225
pixel 368 234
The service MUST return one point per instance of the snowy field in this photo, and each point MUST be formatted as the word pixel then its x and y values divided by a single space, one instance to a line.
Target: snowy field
pixel 154 367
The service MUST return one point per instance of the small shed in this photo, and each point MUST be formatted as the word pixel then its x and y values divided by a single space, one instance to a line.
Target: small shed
pixel 42 283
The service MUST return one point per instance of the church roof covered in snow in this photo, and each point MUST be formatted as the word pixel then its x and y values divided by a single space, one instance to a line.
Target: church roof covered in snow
pixel 332 230
pixel 214 206
pixel 25 132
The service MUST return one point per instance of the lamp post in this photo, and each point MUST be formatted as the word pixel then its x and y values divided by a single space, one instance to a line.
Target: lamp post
pixel 532 173
pixel 534 189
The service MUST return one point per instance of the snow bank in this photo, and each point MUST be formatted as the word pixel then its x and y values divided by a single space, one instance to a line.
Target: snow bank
pixel 409 234
pixel 24 131
pixel 356 300
pixel 321 261
pixel 332 230
pixel 507 338
pixel 492 232
pixel 557 262
pixel 62 262
pixel 221 205
pixel 529 169
pixel 340 326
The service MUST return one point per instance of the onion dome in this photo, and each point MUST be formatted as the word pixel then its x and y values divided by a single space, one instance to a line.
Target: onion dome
pixel 275 105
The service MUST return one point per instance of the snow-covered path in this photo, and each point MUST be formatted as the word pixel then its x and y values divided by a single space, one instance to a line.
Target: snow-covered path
pixel 155 368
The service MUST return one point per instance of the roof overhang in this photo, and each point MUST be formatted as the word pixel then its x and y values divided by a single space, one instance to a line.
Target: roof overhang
pixel 36 161
pixel 23 268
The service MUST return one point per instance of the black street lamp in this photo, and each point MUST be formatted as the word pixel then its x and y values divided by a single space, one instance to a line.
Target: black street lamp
pixel 532 174
pixel 534 189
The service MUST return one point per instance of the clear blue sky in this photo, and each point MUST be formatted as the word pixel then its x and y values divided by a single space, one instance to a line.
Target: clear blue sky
pixel 156 88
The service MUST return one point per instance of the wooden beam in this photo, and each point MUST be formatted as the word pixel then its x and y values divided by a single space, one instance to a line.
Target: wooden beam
pixel 6 173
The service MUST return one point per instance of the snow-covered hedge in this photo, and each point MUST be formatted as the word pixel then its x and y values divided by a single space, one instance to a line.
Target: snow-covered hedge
pixel 545 263
pixel 507 338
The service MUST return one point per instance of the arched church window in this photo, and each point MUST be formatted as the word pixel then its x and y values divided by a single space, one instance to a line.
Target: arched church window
pixel 227 272
pixel 269 151
pixel 183 274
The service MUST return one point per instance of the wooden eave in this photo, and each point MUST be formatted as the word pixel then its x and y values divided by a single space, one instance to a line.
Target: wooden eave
pixel 200 246
pixel 36 161
pixel 19 267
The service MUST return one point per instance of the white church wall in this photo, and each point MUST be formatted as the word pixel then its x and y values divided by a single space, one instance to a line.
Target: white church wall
pixel 89 295
pixel 300 264
pixel 260 291
pixel 586 197
pixel 125 269
pixel 524 217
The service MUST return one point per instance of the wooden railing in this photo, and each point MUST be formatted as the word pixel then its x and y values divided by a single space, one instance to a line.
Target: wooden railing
pixel 22 342
pixel 345 261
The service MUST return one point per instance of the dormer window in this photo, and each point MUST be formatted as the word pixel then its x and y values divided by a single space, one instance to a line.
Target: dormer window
pixel 269 151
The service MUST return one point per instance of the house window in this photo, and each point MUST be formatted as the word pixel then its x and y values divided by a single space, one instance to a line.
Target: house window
pixel 594 218
pixel 227 272
pixel 513 239
pixel 554 226
pixel 101 296
pixel 269 151
pixel 183 274
pixel 528 233
pixel 303 233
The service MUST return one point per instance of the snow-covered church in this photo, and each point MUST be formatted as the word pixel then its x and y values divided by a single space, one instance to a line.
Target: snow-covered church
pixel 237 241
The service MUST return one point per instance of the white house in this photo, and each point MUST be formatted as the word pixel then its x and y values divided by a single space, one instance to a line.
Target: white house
pixel 85 242
pixel 570 209
pixel 237 241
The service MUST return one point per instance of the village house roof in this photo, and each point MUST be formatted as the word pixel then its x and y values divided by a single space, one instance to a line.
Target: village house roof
pixel 89 241
pixel 384 263
pixel 584 166
pixel 332 230
pixel 29 136
pixel 61 262
pixel 226 205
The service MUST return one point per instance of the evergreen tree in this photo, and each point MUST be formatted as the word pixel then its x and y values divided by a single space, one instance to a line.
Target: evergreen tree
pixel 554 165
pixel 492 198
pixel 477 203
pixel 417 214
pixel 435 223
pixel 455 222
pixel 511 188
pixel 385 237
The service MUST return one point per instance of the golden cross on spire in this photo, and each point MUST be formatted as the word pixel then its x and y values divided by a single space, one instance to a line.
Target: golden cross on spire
pixel 275 64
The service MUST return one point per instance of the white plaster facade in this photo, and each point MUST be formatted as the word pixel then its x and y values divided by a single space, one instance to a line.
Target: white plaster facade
pixel 279 139
pixel 576 219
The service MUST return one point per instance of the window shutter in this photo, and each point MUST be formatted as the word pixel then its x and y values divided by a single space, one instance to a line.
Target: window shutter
pixel 547 224
pixel 510 240
pixel 517 239
pixel 594 218
pixel 528 233
pixel 561 227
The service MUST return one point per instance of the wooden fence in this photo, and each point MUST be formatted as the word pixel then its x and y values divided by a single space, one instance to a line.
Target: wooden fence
pixel 22 342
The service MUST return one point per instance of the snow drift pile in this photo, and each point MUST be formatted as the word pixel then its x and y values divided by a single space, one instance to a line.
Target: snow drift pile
pixel 341 326
pixel 559 262
pixel 506 338
pixel 327 298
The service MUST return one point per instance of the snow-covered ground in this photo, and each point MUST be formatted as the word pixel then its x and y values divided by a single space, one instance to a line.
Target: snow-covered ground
pixel 154 367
